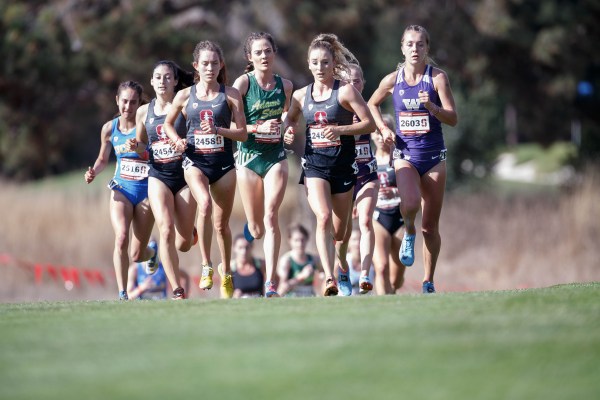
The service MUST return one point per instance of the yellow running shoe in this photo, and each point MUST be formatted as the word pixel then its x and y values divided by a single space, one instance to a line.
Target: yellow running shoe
pixel 206 281
pixel 226 284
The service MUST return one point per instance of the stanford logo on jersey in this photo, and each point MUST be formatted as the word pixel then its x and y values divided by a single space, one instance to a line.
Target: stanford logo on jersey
pixel 159 131
pixel 321 117
pixel 206 115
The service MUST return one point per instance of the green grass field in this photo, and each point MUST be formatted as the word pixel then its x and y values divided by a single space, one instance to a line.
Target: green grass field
pixel 529 344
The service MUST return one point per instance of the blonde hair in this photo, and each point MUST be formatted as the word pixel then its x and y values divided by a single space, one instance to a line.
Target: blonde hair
pixel 342 57
pixel 420 29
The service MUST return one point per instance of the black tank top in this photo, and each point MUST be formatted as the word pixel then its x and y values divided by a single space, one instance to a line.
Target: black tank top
pixel 320 153
pixel 211 147
pixel 161 152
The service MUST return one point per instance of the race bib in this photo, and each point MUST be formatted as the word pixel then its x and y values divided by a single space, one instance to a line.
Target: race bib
pixel 413 122
pixel 269 137
pixel 206 143
pixel 133 169
pixel 363 151
pixel 318 139
pixel 162 152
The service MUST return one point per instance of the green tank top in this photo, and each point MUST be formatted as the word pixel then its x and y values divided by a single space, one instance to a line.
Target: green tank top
pixel 296 268
pixel 261 105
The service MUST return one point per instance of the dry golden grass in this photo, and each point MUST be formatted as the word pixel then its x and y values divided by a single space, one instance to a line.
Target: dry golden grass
pixel 488 241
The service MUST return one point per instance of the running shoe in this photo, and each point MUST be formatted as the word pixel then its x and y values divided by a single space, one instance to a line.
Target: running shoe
pixel 247 233
pixel 226 284
pixel 331 288
pixel 206 281
pixel 178 294
pixel 407 250
pixel 428 287
pixel 364 285
pixel 123 295
pixel 270 289
pixel 345 284
pixel 152 263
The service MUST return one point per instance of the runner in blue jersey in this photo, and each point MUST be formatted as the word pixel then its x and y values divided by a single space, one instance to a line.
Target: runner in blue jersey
pixel 329 165
pixel 171 200
pixel 365 198
pixel 262 166
pixel 423 101
pixel 215 118
pixel 129 206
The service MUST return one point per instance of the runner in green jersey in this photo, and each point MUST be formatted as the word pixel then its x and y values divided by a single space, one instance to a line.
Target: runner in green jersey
pixel 261 160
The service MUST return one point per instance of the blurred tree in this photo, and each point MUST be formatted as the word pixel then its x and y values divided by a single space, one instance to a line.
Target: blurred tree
pixel 63 60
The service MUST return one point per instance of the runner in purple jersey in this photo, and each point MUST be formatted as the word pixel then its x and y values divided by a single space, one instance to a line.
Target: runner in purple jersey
pixel 328 105
pixel 423 101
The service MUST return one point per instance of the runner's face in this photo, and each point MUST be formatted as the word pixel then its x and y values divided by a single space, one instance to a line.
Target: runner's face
pixel 320 63
pixel 261 54
pixel 163 80
pixel 414 47
pixel 128 102
pixel 356 79
pixel 208 65
pixel 242 249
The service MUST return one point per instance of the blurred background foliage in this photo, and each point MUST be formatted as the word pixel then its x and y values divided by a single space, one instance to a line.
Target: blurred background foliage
pixel 522 71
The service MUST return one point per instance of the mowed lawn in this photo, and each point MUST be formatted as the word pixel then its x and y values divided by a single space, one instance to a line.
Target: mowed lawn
pixel 526 344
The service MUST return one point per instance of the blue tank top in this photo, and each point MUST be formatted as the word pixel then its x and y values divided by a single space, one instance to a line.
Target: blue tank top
pixel 323 154
pixel 131 167
pixel 210 147
pixel 416 128
pixel 158 289
pixel 161 152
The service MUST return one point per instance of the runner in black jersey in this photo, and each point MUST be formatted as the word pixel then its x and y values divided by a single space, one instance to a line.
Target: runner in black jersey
pixel 210 108
pixel 262 166
pixel 365 198
pixel 171 200
pixel 389 270
pixel 423 101
pixel 329 164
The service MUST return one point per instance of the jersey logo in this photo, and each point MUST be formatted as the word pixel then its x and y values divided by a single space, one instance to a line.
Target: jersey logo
pixel 411 104
pixel 152 120
pixel 206 115
pixel 321 117
pixel 159 132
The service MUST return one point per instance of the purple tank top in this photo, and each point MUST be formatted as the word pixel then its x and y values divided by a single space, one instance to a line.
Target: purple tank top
pixel 416 129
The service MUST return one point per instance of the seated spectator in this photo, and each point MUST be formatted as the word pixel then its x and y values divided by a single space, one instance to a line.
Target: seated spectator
pixel 297 268
pixel 248 271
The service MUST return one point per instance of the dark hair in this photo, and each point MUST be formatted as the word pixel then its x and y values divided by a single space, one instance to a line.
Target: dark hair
pixel 254 36
pixel 184 78
pixel 131 85
pixel 340 54
pixel 238 237
pixel 297 228
pixel 210 46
